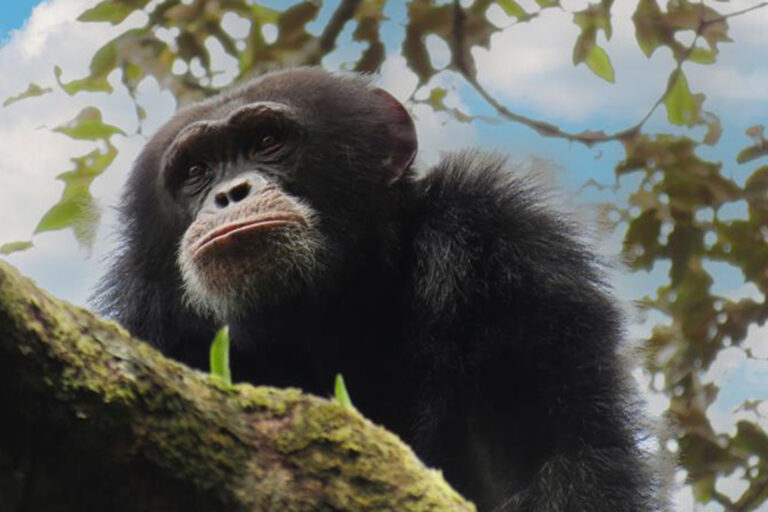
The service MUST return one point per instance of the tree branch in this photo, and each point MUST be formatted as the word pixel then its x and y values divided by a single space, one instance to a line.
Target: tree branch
pixel 91 419
pixel 340 17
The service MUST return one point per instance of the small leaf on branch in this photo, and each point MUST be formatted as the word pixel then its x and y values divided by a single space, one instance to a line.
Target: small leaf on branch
pixel 219 356
pixel 702 56
pixel 111 11
pixel 88 125
pixel 341 394
pixel 511 8
pixel 600 64
pixel 680 104
pixel 12 247
pixel 32 91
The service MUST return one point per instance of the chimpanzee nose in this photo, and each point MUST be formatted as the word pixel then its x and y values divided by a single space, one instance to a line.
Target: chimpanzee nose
pixel 233 194
pixel 234 191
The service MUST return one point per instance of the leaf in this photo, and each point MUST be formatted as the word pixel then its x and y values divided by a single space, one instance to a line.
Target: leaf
pixel 219 356
pixel 110 11
pixel 87 125
pixel 292 24
pixel 77 208
pixel 595 17
pixel 600 64
pixel 752 153
pixel 511 8
pixel 650 30
pixel 751 438
pixel 264 15
pixel 757 132
pixel 643 232
pixel 416 56
pixel 341 394
pixel 758 149
pixel 32 91
pixel 714 128
pixel 702 56
pixel 436 97
pixel 368 16
pixel 680 104
pixel 12 247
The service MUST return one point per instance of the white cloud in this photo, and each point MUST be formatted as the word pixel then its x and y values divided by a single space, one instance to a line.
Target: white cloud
pixel 733 82
pixel 529 66
pixel 757 342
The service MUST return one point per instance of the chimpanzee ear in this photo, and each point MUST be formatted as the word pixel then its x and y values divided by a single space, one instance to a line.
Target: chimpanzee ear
pixel 402 133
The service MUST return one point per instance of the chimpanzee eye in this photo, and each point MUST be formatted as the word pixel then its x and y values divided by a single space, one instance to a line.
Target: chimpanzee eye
pixel 197 172
pixel 266 145
pixel 197 177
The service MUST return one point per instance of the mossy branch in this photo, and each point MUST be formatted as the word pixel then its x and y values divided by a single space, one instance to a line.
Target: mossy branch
pixel 91 419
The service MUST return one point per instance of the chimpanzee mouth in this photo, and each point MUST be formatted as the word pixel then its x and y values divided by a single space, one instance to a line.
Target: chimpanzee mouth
pixel 224 235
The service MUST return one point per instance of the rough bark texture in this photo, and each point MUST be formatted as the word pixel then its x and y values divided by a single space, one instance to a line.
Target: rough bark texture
pixel 91 419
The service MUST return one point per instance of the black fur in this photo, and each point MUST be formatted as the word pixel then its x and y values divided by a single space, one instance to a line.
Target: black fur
pixel 464 314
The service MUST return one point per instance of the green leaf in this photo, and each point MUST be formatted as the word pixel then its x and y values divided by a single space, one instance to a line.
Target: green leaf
pixel 77 208
pixel 436 97
pixel 11 247
pixel 341 394
pixel 219 356
pixel 265 15
pixel 32 91
pixel 752 153
pixel 102 63
pixel 87 125
pixel 751 438
pixel 600 64
pixel 511 8
pixel 651 30
pixel 110 11
pixel 702 56
pixel 679 101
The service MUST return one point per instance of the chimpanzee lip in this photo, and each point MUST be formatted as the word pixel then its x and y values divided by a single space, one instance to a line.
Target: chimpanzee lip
pixel 261 223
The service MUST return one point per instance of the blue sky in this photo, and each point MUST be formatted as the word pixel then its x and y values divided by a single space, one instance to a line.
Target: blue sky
pixel 13 13
pixel 528 69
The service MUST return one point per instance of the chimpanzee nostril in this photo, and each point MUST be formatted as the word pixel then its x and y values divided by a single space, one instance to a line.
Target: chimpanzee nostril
pixel 221 200
pixel 239 191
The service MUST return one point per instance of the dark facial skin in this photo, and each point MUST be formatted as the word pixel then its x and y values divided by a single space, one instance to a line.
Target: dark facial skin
pixel 464 314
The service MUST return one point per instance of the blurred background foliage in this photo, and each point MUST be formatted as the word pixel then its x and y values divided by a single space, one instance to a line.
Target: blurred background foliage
pixel 672 216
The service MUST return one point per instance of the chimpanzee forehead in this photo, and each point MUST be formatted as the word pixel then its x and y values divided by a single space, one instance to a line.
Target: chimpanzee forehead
pixel 311 90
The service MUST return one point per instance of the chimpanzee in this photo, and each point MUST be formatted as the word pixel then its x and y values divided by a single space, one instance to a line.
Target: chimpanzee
pixel 465 315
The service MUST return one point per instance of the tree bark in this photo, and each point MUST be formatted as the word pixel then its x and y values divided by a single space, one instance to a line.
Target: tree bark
pixel 91 419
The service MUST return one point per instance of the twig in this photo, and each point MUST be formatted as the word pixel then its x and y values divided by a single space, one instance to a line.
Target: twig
pixel 340 17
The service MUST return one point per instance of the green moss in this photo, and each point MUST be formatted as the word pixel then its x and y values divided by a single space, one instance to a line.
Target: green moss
pixel 256 399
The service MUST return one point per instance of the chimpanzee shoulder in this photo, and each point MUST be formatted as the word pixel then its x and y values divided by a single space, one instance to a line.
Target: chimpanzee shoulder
pixel 483 227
